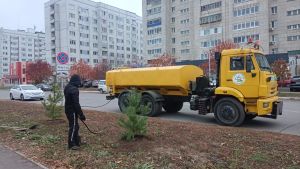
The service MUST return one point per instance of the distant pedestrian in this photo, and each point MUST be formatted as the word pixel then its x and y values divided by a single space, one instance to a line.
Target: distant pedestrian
pixel 73 111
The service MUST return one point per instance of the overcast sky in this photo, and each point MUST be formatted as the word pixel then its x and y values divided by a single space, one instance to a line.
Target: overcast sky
pixel 22 14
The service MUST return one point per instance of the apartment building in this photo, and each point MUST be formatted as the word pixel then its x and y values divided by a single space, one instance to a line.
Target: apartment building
pixel 187 29
pixel 20 46
pixel 92 31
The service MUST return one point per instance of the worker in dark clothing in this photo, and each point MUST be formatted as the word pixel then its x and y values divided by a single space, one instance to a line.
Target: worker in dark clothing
pixel 73 111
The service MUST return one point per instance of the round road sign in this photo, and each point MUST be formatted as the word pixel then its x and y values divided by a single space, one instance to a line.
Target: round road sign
pixel 63 58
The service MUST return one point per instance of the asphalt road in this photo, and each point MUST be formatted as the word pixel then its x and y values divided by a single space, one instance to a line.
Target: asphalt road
pixel 288 123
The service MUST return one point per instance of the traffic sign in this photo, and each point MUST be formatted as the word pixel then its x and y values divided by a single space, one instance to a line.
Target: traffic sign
pixel 62 58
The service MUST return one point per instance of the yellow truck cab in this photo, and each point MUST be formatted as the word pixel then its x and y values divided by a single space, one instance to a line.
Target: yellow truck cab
pixel 246 76
pixel 246 88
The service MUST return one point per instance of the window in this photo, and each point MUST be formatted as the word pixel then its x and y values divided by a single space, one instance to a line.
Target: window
pixel 95 45
pixel 237 63
pixel 185 51
pixel 173 30
pixel 154 31
pixel 293 38
pixel 211 6
pixel 274 38
pixel 72 42
pixel 246 25
pixel 185 43
pixel 72 50
pixel 211 43
pixel 241 1
pixel 293 27
pixel 71 24
pixel 73 59
pixel 173 40
pixel 83 35
pixel 71 15
pixel 293 12
pixel 244 39
pixel 210 31
pixel 274 24
pixel 153 2
pixel 154 41
pixel 173 9
pixel 274 10
pixel 185 32
pixel 210 19
pixel 245 11
pixel 186 10
pixel 185 21
pixel 154 22
pixel 154 11
pixel 173 20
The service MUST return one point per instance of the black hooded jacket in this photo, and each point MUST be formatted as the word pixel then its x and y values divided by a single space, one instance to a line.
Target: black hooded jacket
pixel 72 96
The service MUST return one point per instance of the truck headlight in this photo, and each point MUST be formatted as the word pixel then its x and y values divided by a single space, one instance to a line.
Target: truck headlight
pixel 266 105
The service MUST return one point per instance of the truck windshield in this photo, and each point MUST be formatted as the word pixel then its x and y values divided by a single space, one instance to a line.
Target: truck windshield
pixel 262 62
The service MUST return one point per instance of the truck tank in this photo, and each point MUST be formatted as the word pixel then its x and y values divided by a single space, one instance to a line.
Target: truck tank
pixel 170 80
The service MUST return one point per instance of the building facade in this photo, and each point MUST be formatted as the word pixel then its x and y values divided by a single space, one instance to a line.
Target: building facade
pixel 187 29
pixel 20 46
pixel 92 31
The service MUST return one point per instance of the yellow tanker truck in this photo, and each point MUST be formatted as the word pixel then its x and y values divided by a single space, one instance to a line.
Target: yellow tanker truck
pixel 246 88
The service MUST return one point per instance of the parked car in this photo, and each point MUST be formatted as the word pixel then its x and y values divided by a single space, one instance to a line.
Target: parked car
pixel 44 87
pixel 102 86
pixel 295 84
pixel 95 83
pixel 26 92
pixel 284 83
pixel 87 83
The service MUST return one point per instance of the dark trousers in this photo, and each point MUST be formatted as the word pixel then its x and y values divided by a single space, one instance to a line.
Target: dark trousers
pixel 73 138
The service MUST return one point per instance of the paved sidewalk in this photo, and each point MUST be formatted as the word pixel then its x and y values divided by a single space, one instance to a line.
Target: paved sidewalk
pixel 12 160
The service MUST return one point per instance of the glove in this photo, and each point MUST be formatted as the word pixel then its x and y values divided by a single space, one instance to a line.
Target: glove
pixel 82 117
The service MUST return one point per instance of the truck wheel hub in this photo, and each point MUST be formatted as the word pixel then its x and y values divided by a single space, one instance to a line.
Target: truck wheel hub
pixel 228 113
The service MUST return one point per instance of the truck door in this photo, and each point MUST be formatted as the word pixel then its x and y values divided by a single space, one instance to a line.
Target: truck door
pixel 238 78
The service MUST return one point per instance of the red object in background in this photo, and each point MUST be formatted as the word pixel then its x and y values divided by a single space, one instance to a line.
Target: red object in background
pixel 284 83
pixel 18 72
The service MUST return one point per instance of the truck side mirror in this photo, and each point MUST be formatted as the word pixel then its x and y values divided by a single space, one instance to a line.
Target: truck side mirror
pixel 248 64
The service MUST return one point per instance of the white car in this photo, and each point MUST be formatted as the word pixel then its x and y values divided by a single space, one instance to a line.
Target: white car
pixel 102 86
pixel 26 92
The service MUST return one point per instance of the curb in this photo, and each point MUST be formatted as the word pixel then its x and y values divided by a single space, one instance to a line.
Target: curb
pixel 289 98
pixel 29 159
pixel 82 91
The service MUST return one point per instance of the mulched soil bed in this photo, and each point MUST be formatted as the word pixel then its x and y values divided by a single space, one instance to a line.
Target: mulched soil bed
pixel 168 144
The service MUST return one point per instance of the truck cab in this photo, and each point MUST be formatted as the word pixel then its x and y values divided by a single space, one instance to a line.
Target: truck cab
pixel 246 76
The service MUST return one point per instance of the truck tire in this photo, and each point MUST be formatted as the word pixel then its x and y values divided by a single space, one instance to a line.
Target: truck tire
pixel 155 107
pixel 172 106
pixel 229 112
pixel 123 101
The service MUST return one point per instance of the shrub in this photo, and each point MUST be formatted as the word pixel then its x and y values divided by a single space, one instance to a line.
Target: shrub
pixel 51 105
pixel 134 124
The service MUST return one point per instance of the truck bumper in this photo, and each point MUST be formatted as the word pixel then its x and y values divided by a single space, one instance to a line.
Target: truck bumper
pixel 110 97
pixel 270 107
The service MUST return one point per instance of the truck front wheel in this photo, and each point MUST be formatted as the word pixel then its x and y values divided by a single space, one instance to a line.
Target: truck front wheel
pixel 154 107
pixel 172 106
pixel 229 112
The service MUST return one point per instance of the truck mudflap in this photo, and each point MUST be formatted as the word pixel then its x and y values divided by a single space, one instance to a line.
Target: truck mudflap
pixel 276 110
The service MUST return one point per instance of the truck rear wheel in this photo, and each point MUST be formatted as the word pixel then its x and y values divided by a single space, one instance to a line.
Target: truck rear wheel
pixel 154 107
pixel 229 112
pixel 172 106
pixel 123 101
